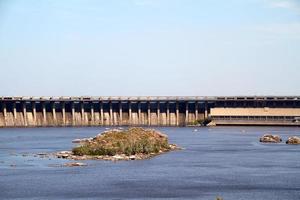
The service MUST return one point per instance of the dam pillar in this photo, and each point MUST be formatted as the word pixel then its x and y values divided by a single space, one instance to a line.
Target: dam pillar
pixel 196 110
pixel 130 117
pixel 120 113
pixel 54 113
pixel 24 114
pixel 205 111
pixel 111 122
pixel 63 110
pixel 149 113
pixel 44 113
pixel 139 114
pixel 158 114
pixel 92 115
pixel 15 111
pixel 101 113
pixel 177 114
pixel 82 113
pixel 168 114
pixel 34 112
pixel 73 113
pixel 4 113
pixel 4 110
pixel 186 113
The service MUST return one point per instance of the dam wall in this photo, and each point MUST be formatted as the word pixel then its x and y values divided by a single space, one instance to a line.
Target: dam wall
pixel 44 112
pixel 124 111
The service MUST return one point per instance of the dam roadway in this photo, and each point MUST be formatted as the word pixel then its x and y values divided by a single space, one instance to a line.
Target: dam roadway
pixel 148 111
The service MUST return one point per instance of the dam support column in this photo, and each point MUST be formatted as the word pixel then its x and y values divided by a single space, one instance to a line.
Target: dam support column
pixel 63 110
pixel 168 114
pixel 196 110
pixel 158 114
pixel 120 113
pixel 149 113
pixel 139 114
pixel 24 114
pixel 186 113
pixel 44 114
pixel 15 112
pixel 54 113
pixel 92 115
pixel 130 117
pixel 34 113
pixel 177 114
pixel 101 113
pixel 4 113
pixel 111 118
pixel 205 111
pixel 73 114
pixel 82 113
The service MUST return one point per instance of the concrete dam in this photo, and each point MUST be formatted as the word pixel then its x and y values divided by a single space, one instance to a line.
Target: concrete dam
pixel 148 111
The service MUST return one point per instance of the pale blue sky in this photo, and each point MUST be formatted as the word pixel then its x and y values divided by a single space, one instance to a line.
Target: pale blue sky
pixel 149 47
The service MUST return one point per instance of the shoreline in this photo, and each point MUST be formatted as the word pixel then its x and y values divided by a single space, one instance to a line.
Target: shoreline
pixel 68 155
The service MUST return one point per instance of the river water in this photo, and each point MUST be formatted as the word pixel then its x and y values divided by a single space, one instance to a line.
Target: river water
pixel 220 161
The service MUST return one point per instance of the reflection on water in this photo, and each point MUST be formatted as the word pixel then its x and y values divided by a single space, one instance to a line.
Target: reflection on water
pixel 220 161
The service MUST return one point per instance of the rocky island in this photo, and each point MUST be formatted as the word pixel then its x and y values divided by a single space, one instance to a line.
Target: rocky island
pixel 293 140
pixel 268 138
pixel 130 144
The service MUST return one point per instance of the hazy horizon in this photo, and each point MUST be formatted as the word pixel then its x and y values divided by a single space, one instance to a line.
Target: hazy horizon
pixel 149 48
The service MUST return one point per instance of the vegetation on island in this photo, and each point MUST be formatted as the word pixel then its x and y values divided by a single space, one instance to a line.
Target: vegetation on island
pixel 129 142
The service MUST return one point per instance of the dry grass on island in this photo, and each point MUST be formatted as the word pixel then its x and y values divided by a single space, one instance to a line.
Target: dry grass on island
pixel 115 144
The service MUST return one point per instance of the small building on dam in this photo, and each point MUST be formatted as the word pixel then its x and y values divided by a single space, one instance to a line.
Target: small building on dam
pixel 148 111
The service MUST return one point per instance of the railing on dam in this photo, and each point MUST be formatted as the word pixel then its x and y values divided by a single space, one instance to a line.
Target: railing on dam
pixel 154 98
pixel 117 111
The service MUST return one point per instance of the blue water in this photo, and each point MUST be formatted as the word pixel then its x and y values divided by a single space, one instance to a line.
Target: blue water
pixel 220 161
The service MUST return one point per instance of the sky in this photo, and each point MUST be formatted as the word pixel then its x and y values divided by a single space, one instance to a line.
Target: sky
pixel 149 47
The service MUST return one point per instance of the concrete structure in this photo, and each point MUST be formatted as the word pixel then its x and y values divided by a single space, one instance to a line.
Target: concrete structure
pixel 118 111
pixel 255 116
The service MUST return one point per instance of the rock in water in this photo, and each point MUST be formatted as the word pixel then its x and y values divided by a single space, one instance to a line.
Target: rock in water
pixel 293 140
pixel 74 164
pixel 268 138
pixel 82 140
pixel 63 154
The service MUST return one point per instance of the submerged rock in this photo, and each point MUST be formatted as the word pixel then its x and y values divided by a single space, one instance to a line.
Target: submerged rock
pixel 268 138
pixel 74 164
pixel 82 140
pixel 63 154
pixel 293 140
pixel 132 157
